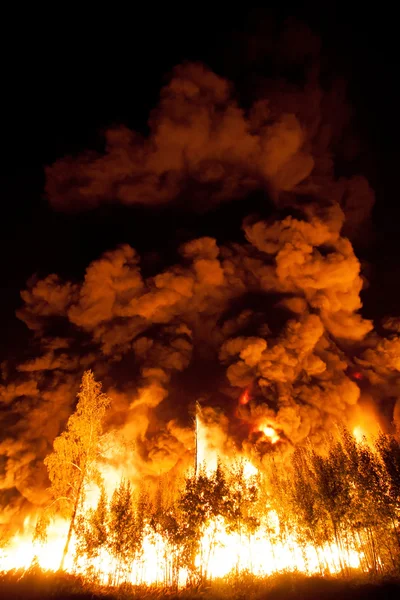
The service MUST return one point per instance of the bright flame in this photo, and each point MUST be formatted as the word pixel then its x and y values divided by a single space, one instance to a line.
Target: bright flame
pixel 263 552
pixel 244 397
pixel 365 424
pixel 21 551
pixel 267 549
pixel 359 433
pixel 270 433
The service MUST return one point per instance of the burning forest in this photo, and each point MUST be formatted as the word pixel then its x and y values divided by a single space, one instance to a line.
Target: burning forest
pixel 226 409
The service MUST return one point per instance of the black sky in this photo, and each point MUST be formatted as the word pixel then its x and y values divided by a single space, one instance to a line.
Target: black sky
pixel 67 78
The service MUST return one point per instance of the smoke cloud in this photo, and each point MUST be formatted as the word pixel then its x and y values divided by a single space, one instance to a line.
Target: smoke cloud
pixel 278 313
pixel 200 139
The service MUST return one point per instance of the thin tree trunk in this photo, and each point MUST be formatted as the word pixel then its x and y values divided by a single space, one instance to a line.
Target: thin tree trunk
pixel 362 550
pixel 71 524
pixel 338 545
pixel 395 530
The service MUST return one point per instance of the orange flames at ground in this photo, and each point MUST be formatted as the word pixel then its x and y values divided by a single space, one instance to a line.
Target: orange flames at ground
pixel 269 548
pixel 264 552
pixel 220 554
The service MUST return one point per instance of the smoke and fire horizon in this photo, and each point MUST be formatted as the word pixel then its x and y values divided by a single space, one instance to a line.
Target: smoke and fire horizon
pixel 263 333
pixel 268 548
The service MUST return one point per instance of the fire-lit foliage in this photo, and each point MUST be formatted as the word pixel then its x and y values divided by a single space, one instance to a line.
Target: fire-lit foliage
pixel 331 511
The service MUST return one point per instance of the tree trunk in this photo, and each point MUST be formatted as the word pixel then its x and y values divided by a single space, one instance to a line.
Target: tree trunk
pixel 71 524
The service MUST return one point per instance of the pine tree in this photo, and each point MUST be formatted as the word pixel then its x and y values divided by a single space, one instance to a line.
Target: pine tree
pixel 367 514
pixel 333 489
pixel 92 529
pixel 389 450
pixel 241 509
pixel 72 464
pixel 165 521
pixel 309 516
pixel 194 508
pixel 123 540
pixel 204 499
pixel 276 495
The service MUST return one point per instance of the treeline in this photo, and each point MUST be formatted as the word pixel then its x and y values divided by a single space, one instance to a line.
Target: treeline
pixel 315 512
pixel 349 497
pixel 183 526
pixel 318 510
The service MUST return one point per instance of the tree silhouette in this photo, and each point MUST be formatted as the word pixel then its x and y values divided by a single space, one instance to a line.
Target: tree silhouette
pixel 92 529
pixel 125 531
pixel 73 462
pixel 204 499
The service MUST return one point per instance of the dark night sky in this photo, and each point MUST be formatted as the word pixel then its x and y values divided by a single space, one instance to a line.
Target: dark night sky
pixel 64 83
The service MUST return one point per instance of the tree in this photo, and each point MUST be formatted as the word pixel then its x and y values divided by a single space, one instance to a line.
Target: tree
pixel 309 516
pixel 165 520
pixel 123 535
pixel 368 520
pixel 241 509
pixel 204 498
pixel 92 529
pixel 73 462
pixel 242 506
pixel 334 491
pixel 389 451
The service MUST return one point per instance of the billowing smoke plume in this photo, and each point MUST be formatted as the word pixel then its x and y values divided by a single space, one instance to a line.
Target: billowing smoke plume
pixel 200 140
pixel 277 314
pixel 204 149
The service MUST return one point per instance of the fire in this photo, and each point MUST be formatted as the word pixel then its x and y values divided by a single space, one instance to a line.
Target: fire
pixel 221 552
pixel 262 556
pixel 359 433
pixel 21 551
pixel 267 548
pixel 263 552
pixel 358 375
pixel 242 522
pixel 274 317
pixel 245 397
pixel 270 433
pixel 365 424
